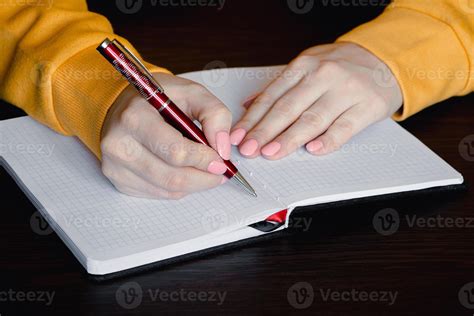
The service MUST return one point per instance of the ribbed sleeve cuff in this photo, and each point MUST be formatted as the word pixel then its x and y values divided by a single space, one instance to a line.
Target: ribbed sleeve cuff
pixel 423 52
pixel 84 88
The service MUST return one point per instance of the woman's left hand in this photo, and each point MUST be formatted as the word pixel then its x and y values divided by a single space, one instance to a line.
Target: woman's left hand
pixel 324 97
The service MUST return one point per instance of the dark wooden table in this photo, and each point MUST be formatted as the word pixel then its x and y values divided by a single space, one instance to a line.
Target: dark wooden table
pixel 341 252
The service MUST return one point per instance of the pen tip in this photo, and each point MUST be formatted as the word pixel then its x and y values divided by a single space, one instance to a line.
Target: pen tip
pixel 240 180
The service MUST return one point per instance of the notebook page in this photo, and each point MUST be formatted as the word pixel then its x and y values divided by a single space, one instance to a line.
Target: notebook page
pixel 65 178
pixel 384 158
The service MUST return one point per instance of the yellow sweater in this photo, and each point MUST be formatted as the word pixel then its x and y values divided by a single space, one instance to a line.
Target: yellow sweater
pixel 50 69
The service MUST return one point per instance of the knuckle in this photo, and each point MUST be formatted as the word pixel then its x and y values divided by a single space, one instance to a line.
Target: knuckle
pixel 175 181
pixel 284 107
pixel 313 119
pixel 302 61
pixel 354 83
pixel 329 68
pixel 345 126
pixel 177 155
pixel 221 113
pixel 263 99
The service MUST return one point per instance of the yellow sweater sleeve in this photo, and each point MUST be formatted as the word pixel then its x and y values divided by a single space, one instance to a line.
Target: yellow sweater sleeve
pixel 428 45
pixel 50 68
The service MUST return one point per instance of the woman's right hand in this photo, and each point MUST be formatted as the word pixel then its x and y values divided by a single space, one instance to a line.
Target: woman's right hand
pixel 144 156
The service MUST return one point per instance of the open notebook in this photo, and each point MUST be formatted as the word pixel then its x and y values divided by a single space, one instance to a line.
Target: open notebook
pixel 110 232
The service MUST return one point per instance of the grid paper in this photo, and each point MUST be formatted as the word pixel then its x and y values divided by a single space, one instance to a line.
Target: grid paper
pixel 101 222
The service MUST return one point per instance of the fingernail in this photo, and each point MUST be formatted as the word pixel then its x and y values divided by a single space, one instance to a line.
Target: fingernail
pixel 248 102
pixel 314 146
pixel 217 167
pixel 223 144
pixel 224 180
pixel 237 136
pixel 249 147
pixel 271 149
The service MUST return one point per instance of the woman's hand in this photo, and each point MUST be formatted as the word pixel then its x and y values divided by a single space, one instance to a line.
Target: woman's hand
pixel 324 97
pixel 144 156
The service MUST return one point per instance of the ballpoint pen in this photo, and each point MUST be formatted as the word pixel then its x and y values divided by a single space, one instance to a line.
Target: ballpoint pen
pixel 138 75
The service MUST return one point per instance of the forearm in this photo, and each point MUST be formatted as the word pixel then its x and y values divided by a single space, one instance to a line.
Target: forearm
pixel 428 45
pixel 50 68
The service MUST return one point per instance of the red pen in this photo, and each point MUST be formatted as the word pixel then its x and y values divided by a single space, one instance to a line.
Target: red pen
pixel 136 73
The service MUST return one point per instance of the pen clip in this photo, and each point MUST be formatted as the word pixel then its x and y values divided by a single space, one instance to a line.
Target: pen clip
pixel 142 67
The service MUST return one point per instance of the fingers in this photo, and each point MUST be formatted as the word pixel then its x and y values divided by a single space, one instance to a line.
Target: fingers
pixel 342 130
pixel 149 129
pixel 289 78
pixel 129 183
pixel 159 174
pixel 284 113
pixel 312 123
pixel 214 116
pixel 144 156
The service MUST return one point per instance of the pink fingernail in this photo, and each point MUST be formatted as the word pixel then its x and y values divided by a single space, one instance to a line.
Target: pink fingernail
pixel 237 136
pixel 217 167
pixel 248 102
pixel 314 146
pixel 224 180
pixel 223 144
pixel 249 147
pixel 271 149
